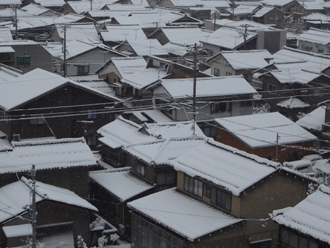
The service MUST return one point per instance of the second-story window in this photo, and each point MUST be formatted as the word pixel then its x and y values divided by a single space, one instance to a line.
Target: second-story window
pixel 82 69
pixel 91 114
pixel 25 60
pixel 193 186
pixel 216 72
pixel 221 198
pixel 140 168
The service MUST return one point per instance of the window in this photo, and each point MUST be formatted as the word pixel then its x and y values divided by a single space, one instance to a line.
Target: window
pixel 37 120
pixel 216 72
pixel 91 140
pixel 221 107
pixel 140 168
pixel 221 198
pixel 207 190
pixel 25 60
pixel 292 156
pixel 91 114
pixel 271 87
pixel 82 69
pixel 193 186
pixel 291 239
pixel 270 157
pixel 228 73
pixel 166 178
pixel 320 50
pixel 264 244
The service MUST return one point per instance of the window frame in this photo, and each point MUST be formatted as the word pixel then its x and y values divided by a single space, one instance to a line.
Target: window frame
pixel 225 200
pixel 193 186
pixel 24 58
pixel 216 72
pixel 81 69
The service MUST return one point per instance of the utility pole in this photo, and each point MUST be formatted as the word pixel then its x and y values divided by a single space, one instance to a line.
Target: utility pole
pixel 194 90
pixel 33 207
pixel 245 35
pixel 91 4
pixel 64 26
pixel 215 20
pixel 276 158
pixel 14 7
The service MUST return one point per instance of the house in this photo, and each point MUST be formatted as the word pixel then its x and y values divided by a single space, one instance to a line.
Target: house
pixel 76 110
pixel 39 10
pixel 288 7
pixel 241 12
pixel 215 96
pixel 116 68
pixel 307 223
pixel 122 133
pixel 149 173
pixel 55 5
pixel 179 35
pixel 144 48
pixel 28 55
pixel 308 8
pixel 8 3
pixel 116 187
pixel 117 34
pixel 5 34
pixel 316 20
pixel 81 7
pixel 70 214
pixel 292 107
pixel 227 201
pixel 179 3
pixel 315 40
pixel 83 57
pixel 243 62
pixel 245 35
pixel 76 31
pixel 313 121
pixel 270 135
pixel 63 163
pixel 269 15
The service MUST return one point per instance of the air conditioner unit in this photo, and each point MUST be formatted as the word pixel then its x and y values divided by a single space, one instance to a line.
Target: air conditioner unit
pixel 16 137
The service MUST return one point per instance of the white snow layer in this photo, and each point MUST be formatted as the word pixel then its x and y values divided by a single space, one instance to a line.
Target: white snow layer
pixel 182 214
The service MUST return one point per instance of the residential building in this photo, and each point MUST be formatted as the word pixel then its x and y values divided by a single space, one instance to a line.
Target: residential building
pixel 70 214
pixel 52 106
pixel 315 40
pixel 243 62
pixel 28 55
pixel 8 3
pixel 271 136
pixel 76 31
pixel 306 224
pixel 224 210
pixel 269 15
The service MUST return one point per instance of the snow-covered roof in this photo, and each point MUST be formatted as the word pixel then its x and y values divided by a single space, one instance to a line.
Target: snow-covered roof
pixel 182 214
pixel 46 154
pixel 251 26
pixel 205 87
pixel 122 132
pixel 317 17
pixel 119 33
pixel 229 38
pixel 260 130
pixel 292 103
pixel 5 34
pixel 146 47
pixel 249 59
pixel 322 166
pixel 154 114
pixel 36 9
pixel 242 10
pixel 173 129
pixel 74 48
pixel 310 217
pixel 80 7
pixel 128 65
pixel 14 206
pixel 215 4
pixel 34 84
pixel 263 11
pixel 289 75
pixel 10 2
pixel 315 35
pixel 177 49
pixel 288 54
pixel 277 2
pixel 185 35
pixel 143 78
pixel 8 73
pixel 313 120
pixel 120 182
pixel 17 230
pixel 225 166
pixel 50 3
pixel 312 5
pixel 7 49
pixel 184 3
pixel 160 152
pixel 126 7
pixel 79 31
